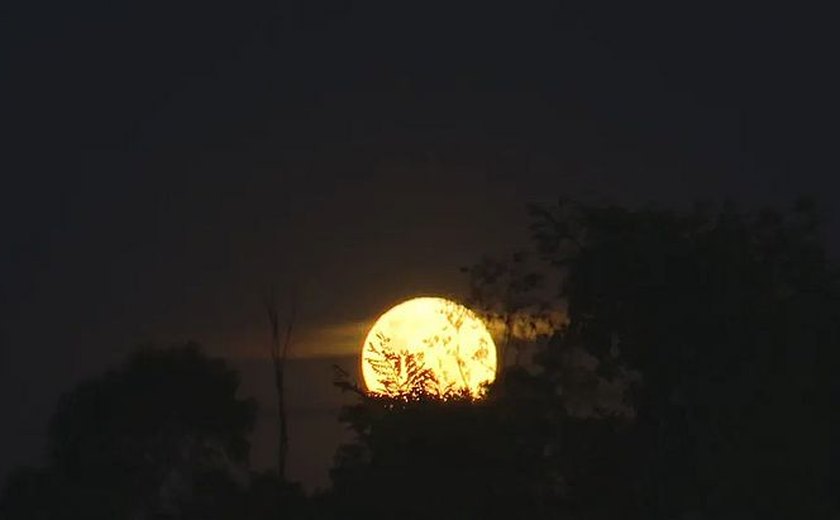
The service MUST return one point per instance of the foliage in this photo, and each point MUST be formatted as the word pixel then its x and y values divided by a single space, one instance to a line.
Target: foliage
pixel 411 451
pixel 510 295
pixel 731 319
pixel 164 434
pixel 402 373
pixel 694 374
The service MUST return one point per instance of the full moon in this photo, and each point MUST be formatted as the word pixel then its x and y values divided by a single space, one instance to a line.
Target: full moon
pixel 428 345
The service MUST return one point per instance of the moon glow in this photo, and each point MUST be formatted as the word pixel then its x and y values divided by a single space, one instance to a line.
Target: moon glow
pixel 428 345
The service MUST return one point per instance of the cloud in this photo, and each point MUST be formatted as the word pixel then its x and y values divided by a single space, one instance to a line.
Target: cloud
pixel 338 339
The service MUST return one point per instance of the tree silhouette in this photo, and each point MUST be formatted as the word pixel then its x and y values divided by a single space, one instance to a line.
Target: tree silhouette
pixel 279 351
pixel 731 320
pixel 511 295
pixel 693 376
pixel 162 436
pixel 402 374
pixel 428 457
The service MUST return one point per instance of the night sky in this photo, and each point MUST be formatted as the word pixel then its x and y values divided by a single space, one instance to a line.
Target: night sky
pixel 164 162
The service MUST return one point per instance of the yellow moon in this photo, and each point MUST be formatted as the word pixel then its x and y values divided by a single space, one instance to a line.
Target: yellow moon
pixel 428 345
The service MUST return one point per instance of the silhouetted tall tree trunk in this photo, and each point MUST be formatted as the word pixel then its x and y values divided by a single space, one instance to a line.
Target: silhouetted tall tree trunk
pixel 279 352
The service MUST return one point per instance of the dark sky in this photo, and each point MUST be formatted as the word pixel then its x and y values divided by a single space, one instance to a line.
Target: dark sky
pixel 163 162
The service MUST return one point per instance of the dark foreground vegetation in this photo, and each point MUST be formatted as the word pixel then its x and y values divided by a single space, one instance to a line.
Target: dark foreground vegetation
pixel 692 374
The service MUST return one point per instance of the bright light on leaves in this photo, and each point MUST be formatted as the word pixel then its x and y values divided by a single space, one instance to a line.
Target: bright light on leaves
pixel 428 346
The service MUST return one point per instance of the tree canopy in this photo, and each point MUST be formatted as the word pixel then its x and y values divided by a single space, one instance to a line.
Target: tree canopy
pixel 665 365
pixel 163 434
pixel 693 374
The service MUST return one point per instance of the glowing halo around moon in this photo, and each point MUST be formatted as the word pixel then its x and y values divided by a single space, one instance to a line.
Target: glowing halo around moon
pixel 428 345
